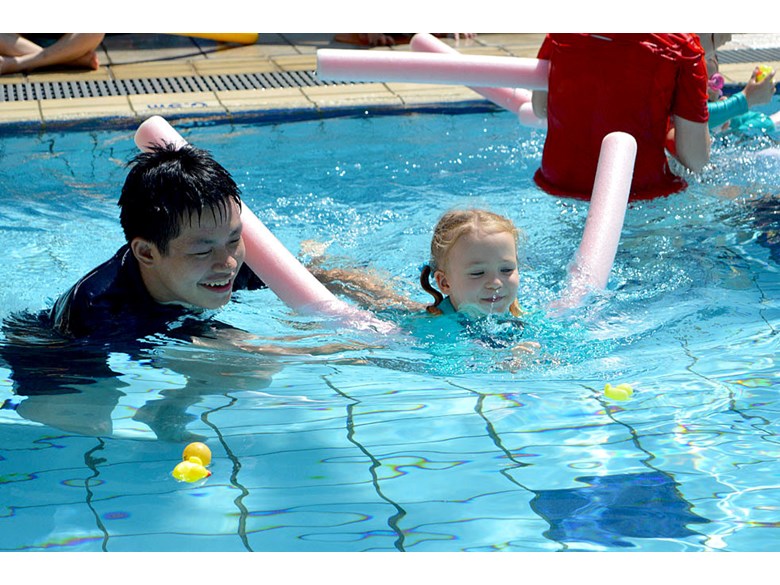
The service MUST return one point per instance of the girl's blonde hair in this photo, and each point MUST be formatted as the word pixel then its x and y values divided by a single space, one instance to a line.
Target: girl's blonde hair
pixel 452 226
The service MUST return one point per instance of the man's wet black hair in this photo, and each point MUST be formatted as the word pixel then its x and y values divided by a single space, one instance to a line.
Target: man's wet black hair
pixel 166 185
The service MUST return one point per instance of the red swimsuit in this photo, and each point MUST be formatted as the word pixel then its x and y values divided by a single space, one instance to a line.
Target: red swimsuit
pixel 618 82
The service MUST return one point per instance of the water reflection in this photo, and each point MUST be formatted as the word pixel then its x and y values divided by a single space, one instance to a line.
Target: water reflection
pixel 70 384
pixel 611 509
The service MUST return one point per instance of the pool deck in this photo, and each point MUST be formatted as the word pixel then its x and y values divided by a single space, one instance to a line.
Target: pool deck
pixel 147 60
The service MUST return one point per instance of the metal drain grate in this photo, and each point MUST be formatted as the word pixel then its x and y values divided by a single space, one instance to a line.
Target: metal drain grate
pixel 749 55
pixel 52 90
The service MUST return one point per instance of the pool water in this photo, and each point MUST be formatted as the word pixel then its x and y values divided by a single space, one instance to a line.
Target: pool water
pixel 424 439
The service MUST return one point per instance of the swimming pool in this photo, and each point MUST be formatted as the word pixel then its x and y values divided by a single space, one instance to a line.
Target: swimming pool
pixel 419 441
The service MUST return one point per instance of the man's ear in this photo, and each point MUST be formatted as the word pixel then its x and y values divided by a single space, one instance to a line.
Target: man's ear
pixel 442 282
pixel 144 251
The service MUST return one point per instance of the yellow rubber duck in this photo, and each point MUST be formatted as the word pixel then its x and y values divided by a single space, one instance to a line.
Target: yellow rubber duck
pixel 199 450
pixel 195 457
pixel 618 392
pixel 190 470
pixel 763 71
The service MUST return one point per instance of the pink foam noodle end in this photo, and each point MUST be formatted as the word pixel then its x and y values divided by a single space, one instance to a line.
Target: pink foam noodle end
pixel 157 131
pixel 427 43
pixel 601 235
pixel 527 117
pixel 505 97
pixel 445 69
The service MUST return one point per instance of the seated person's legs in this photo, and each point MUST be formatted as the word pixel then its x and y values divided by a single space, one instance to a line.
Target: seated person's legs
pixel 70 50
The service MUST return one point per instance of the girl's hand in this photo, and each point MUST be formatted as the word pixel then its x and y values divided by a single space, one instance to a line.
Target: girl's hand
pixel 525 348
pixel 759 92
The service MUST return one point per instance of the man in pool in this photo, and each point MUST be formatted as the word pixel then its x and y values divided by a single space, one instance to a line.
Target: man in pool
pixel 180 212
pixel 184 255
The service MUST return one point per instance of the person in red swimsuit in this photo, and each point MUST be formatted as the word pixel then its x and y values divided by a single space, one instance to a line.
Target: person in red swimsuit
pixel 642 84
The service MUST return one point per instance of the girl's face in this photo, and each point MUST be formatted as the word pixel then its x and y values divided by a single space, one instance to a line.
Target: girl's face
pixel 480 273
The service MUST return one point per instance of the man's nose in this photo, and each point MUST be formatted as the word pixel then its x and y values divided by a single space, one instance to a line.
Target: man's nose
pixel 225 259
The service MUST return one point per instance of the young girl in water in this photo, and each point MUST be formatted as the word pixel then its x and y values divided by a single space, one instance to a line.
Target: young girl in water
pixel 474 264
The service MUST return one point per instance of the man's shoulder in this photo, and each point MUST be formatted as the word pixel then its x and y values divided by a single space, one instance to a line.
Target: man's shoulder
pixel 104 277
pixel 99 296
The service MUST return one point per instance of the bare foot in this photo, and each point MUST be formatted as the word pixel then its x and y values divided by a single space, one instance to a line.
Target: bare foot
pixel 377 39
pixel 87 61
pixel 372 39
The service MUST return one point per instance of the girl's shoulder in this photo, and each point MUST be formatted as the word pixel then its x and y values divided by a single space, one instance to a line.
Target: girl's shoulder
pixel 446 307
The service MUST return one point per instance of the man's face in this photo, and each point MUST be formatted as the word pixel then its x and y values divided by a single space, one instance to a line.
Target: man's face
pixel 201 262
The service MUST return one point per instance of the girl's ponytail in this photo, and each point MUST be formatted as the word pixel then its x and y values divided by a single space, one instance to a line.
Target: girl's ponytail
pixel 425 282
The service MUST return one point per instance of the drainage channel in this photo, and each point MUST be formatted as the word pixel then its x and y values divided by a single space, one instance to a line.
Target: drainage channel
pixel 52 90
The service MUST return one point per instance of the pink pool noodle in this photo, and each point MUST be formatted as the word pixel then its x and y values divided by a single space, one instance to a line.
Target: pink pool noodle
pixel 471 70
pixel 266 255
pixel 282 271
pixel 515 100
pixel 505 97
pixel 601 235
pixel 527 117
pixel 155 131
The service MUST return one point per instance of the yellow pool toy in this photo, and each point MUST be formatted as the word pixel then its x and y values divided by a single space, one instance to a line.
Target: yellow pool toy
pixel 763 71
pixel 195 457
pixel 199 450
pixel 239 38
pixel 618 392
pixel 190 470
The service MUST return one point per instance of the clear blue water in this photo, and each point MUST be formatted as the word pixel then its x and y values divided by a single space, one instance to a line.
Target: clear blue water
pixel 421 440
